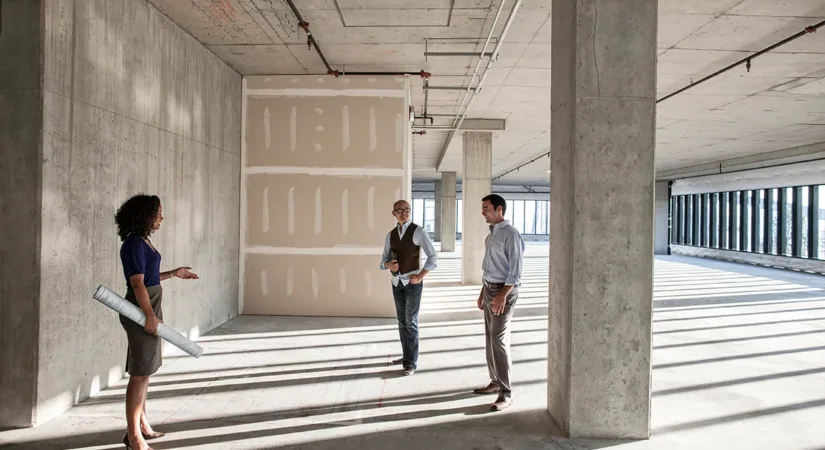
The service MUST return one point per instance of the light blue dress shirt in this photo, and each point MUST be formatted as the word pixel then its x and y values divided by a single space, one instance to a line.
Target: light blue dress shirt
pixel 503 256
pixel 421 239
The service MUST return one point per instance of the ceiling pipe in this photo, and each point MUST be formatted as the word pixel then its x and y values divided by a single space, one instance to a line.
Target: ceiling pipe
pixel 336 73
pixel 460 116
pixel 747 61
pixel 310 39
pixel 484 55
pixel 514 169
pixel 449 88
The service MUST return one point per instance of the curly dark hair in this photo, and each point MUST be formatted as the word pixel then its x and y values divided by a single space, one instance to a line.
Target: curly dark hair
pixel 136 215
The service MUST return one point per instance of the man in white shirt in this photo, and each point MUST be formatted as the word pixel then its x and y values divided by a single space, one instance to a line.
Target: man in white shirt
pixel 502 264
pixel 402 256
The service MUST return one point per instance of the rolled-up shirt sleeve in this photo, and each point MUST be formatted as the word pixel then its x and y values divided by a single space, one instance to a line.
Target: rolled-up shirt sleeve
pixel 427 245
pixel 385 255
pixel 514 248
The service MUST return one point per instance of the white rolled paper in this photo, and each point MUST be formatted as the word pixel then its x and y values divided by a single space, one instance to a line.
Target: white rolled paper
pixel 133 313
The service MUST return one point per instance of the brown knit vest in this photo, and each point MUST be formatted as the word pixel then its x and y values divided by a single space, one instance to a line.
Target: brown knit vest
pixel 407 252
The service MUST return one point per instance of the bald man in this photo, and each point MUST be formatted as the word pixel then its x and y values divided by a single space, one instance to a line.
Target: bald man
pixel 402 257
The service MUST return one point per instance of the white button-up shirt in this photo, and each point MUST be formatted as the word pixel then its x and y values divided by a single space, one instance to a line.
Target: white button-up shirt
pixel 503 255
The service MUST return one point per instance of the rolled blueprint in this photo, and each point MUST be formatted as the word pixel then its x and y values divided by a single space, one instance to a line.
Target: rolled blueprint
pixel 133 313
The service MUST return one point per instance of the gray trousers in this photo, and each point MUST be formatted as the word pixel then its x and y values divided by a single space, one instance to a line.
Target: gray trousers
pixel 497 334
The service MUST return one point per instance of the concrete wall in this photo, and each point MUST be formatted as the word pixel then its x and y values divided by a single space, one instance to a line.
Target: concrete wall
pixel 21 121
pixel 131 103
pixel 324 160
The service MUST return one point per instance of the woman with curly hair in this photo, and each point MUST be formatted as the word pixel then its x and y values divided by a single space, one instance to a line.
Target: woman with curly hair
pixel 136 220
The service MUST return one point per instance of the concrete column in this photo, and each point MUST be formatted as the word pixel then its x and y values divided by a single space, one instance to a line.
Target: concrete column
pixel 447 211
pixel 478 167
pixel 661 234
pixel 603 86
pixel 21 218
pixel 437 230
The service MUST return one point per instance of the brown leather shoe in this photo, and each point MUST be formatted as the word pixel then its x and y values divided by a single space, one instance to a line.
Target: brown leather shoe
pixel 501 403
pixel 491 388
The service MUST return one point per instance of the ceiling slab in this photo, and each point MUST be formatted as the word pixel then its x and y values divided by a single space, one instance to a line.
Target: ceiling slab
pixel 778 103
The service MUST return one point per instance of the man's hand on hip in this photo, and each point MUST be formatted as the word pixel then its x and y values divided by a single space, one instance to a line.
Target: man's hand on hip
pixel 416 279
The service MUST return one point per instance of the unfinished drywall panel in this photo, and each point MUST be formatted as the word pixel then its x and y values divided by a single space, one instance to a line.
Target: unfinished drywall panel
pixel 316 285
pixel 311 211
pixel 323 131
pixel 324 159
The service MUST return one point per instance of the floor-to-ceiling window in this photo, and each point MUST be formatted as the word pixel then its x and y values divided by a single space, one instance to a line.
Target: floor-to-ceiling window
pixel 529 217
pixel 787 221
pixel 423 213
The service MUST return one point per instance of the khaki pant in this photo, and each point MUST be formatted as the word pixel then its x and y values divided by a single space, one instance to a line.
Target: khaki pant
pixel 497 334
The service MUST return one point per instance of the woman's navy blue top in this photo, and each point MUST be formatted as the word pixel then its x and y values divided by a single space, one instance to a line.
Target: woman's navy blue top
pixel 139 258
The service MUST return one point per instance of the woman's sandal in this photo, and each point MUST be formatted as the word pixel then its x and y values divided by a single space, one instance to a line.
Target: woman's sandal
pixel 154 435
pixel 126 440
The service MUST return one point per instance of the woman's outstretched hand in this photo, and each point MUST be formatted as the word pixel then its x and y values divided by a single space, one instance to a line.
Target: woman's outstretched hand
pixel 184 273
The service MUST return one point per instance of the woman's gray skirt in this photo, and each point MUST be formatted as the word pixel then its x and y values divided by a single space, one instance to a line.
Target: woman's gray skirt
pixel 143 358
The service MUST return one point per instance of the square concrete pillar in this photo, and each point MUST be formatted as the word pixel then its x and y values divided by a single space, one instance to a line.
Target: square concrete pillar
pixel 437 230
pixel 478 169
pixel 447 212
pixel 601 247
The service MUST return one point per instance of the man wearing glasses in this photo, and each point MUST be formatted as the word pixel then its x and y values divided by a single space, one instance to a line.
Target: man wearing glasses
pixel 402 257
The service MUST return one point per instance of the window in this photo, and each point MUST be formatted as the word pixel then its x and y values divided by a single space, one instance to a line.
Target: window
pixel 429 215
pixel 787 221
pixel 418 210
pixel 707 224
pixel 530 217
pixel 821 225
pixel 801 221
pixel 542 217
pixel 746 210
pixel 760 220
pixel 735 221
pixel 689 220
pixel 459 224
pixel 724 226
pixel 518 215
pixel 716 240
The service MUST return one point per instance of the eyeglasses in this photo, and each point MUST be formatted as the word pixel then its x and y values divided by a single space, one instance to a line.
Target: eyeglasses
pixel 402 210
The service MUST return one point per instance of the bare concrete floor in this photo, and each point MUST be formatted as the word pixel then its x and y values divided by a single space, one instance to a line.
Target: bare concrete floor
pixel 739 363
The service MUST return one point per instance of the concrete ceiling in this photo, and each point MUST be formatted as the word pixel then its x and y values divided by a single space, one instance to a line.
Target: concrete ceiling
pixel 779 104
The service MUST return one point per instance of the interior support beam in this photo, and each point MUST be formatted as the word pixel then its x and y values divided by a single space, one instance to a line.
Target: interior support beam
pixel 601 221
